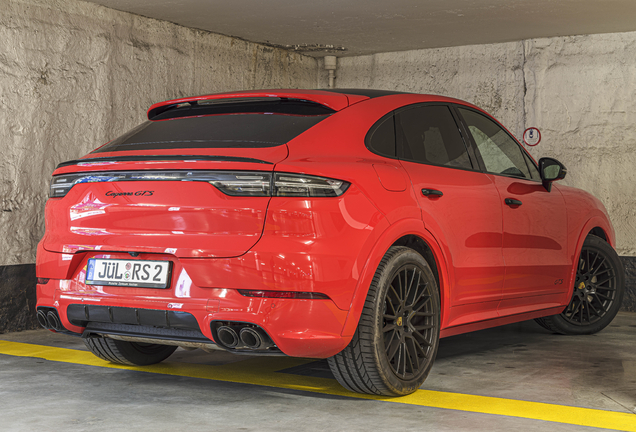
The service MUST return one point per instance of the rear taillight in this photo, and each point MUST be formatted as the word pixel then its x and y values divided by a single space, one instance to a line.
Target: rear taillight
pixel 60 185
pixel 249 183
pixel 300 185
pixel 234 183
pixel 284 185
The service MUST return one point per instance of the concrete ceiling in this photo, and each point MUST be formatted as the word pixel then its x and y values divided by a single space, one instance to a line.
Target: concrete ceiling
pixel 373 26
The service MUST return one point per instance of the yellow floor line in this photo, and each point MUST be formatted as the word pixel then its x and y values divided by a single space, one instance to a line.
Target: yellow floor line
pixel 262 371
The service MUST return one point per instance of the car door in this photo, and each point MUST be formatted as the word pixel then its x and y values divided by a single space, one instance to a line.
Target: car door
pixel 534 220
pixel 460 206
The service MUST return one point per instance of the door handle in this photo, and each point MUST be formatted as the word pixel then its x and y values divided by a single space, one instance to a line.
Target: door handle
pixel 432 192
pixel 512 202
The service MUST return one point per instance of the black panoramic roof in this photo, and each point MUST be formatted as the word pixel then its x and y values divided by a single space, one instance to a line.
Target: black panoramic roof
pixel 365 92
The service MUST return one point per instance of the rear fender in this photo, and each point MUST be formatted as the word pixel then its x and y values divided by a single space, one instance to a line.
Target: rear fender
pixel 391 235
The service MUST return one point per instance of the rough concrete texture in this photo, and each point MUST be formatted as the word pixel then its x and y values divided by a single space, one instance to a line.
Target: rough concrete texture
pixel 579 91
pixel 581 94
pixel 17 298
pixel 629 299
pixel 74 75
pixel 489 76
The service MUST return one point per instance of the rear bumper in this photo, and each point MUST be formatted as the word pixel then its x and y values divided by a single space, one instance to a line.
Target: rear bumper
pixel 299 328
pixel 307 245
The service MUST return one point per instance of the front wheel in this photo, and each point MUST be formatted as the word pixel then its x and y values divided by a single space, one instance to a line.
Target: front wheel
pixel 598 291
pixel 395 344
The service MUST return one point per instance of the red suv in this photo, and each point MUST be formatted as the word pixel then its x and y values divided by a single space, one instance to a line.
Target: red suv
pixel 355 225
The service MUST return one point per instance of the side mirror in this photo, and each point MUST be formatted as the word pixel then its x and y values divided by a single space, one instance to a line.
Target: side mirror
pixel 551 170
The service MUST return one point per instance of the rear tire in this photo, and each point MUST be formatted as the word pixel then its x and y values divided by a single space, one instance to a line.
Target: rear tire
pixel 542 323
pixel 128 353
pixel 597 295
pixel 395 344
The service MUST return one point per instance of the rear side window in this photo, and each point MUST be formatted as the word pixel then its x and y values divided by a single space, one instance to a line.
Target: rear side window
pixel 429 134
pixel 381 137
pixel 223 125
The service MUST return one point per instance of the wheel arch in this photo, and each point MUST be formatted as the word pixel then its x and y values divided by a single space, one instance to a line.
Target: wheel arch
pixel 418 244
pixel 599 232
pixel 410 233
pixel 606 307
pixel 596 225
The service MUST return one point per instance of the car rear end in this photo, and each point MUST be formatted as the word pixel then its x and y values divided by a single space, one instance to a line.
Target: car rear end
pixel 183 232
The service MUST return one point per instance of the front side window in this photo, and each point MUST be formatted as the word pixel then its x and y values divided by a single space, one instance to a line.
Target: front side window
pixel 429 134
pixel 501 154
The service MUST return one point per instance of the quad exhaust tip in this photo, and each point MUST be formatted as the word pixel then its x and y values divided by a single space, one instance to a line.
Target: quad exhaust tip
pixel 228 336
pixel 42 319
pixel 54 321
pixel 49 320
pixel 255 338
pixel 243 335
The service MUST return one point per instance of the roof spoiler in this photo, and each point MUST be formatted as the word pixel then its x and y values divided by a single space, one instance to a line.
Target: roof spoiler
pixel 334 101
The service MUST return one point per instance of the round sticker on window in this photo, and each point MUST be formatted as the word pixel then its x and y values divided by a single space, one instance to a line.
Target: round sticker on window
pixel 532 136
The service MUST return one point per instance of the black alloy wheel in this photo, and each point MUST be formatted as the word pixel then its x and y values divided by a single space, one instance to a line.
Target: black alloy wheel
pixel 594 289
pixel 396 342
pixel 408 323
pixel 598 291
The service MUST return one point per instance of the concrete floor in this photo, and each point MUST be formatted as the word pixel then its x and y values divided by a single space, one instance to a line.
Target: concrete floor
pixel 519 361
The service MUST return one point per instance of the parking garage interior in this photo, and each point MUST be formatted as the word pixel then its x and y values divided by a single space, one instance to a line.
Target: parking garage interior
pixel 75 74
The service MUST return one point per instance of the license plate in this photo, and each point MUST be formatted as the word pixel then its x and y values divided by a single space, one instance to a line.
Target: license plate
pixel 128 273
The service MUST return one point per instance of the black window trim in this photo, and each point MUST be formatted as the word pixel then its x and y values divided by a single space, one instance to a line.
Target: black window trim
pixel 526 155
pixel 467 143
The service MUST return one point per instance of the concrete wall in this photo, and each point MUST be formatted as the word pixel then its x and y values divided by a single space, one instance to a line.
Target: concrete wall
pixel 74 75
pixel 579 91
pixel 490 76
pixel 581 94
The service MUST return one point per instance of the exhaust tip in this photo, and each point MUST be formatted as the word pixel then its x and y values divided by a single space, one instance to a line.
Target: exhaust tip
pixel 251 338
pixel 41 315
pixel 53 321
pixel 255 338
pixel 227 336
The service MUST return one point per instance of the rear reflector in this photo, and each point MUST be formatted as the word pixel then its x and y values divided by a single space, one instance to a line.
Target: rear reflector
pixel 284 294
pixel 42 281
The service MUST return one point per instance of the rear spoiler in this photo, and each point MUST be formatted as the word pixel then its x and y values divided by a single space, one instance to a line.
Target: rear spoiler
pixel 334 101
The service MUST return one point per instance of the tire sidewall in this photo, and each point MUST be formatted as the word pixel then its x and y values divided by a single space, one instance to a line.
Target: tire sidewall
pixel 393 266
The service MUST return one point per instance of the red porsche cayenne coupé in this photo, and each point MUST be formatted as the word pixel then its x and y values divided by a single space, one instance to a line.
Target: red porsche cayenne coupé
pixel 355 225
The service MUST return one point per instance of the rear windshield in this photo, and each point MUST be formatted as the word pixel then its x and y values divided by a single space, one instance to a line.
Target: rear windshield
pixel 248 125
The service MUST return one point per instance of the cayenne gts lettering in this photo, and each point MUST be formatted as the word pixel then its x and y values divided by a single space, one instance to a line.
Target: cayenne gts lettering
pixel 137 193
pixel 358 226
